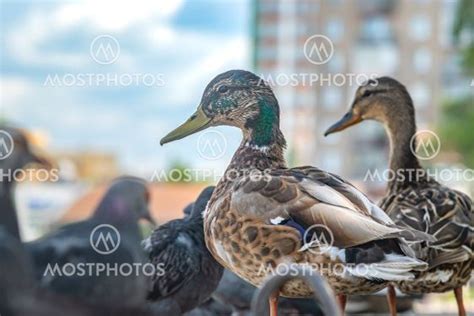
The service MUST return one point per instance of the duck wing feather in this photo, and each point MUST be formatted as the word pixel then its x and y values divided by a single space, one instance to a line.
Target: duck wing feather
pixel 312 196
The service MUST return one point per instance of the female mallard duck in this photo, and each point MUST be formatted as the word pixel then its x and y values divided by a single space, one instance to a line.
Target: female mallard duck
pixel 259 212
pixel 415 200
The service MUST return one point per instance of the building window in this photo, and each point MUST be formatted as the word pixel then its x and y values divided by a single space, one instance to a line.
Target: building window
pixel 376 29
pixel 268 6
pixel 307 7
pixel 306 97
pixel 421 94
pixel 266 53
pixel 267 29
pixel 335 29
pixel 336 63
pixel 420 28
pixel 332 98
pixel 335 3
pixel 422 60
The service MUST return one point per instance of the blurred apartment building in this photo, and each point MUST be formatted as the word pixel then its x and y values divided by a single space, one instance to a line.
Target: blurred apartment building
pixel 93 166
pixel 407 39
pixel 90 166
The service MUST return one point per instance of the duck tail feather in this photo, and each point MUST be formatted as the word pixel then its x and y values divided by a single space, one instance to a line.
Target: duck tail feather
pixel 413 235
pixel 394 268
pixel 456 256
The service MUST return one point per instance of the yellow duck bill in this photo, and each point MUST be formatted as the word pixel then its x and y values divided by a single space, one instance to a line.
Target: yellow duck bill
pixel 197 122
pixel 347 120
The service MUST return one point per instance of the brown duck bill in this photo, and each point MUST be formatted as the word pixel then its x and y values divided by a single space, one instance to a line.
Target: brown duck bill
pixel 349 119
pixel 197 122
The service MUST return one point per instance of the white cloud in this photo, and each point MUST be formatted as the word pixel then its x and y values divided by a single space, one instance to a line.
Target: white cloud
pixel 24 101
pixel 188 59
pixel 12 89
pixel 206 56
pixel 115 15
pixel 41 26
pixel 26 39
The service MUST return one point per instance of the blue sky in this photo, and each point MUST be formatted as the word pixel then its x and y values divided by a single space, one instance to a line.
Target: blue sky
pixel 186 43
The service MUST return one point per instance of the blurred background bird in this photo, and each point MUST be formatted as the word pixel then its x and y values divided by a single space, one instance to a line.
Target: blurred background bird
pixel 21 295
pixel 21 155
pixel 191 274
pixel 124 204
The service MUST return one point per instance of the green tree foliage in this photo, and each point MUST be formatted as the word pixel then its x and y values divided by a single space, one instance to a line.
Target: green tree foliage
pixel 463 31
pixel 457 119
pixel 177 172
pixel 457 128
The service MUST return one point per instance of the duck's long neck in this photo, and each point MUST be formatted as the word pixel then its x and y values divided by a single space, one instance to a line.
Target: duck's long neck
pixel 402 159
pixel 263 142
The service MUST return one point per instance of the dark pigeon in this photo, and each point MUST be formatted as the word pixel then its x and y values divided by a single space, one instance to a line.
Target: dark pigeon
pixel 20 294
pixel 16 273
pixel 190 272
pixel 188 209
pixel 20 156
pixel 67 263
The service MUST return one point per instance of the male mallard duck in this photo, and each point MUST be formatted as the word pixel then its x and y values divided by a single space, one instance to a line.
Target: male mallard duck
pixel 191 273
pixel 260 209
pixel 415 200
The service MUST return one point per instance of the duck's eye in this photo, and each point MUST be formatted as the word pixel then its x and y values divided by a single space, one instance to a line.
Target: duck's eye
pixel 366 93
pixel 223 89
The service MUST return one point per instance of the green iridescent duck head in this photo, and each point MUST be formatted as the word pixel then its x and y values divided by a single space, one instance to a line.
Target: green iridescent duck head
pixel 382 99
pixel 235 98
